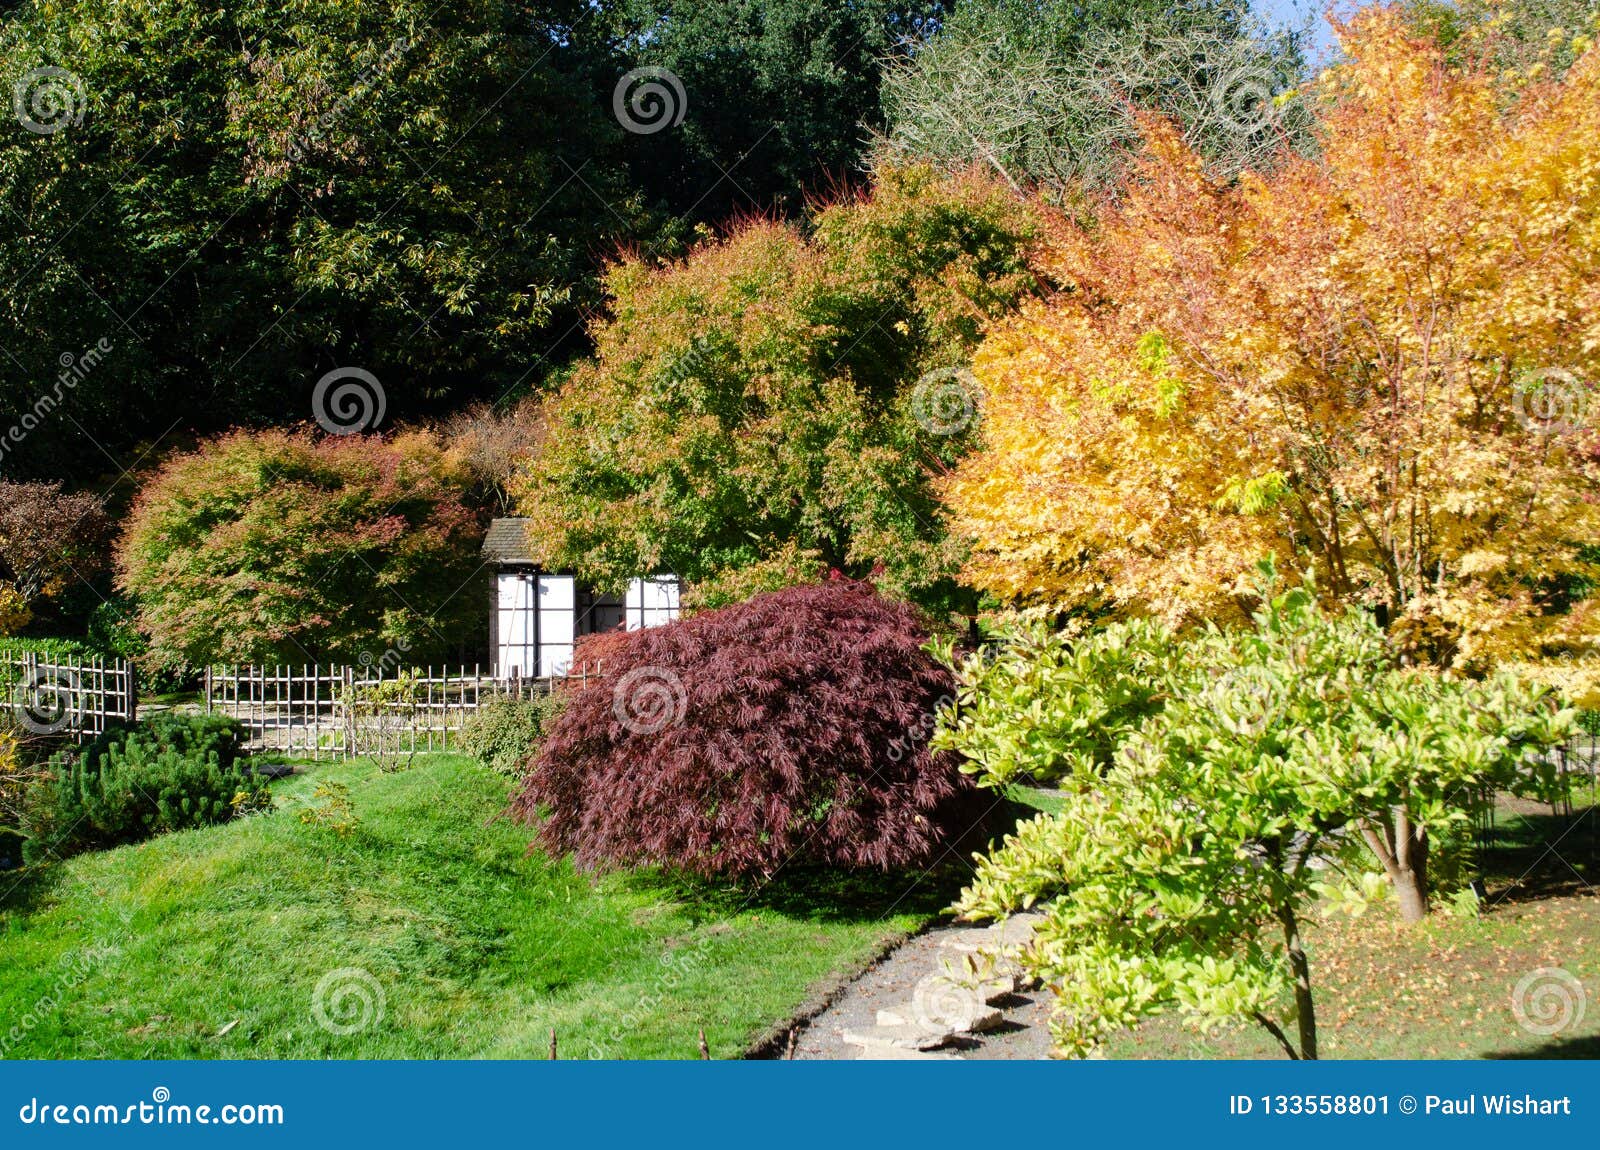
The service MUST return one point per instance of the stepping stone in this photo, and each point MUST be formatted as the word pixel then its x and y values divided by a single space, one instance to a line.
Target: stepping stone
pixel 1014 931
pixel 987 976
pixel 906 1015
pixel 893 1054
pixel 1017 929
pixel 969 941
pixel 907 1036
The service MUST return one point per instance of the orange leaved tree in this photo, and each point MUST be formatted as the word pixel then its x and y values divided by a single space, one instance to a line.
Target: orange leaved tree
pixel 1376 363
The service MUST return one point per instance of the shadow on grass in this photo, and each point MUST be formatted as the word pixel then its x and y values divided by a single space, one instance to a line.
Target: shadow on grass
pixel 836 894
pixel 1538 855
pixel 1581 1046
pixel 821 893
pixel 23 890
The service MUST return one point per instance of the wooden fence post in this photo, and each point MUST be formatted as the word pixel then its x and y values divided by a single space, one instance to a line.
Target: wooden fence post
pixel 345 701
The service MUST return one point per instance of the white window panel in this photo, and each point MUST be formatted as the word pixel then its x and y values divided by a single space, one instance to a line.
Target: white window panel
pixel 653 601
pixel 558 622
pixel 516 648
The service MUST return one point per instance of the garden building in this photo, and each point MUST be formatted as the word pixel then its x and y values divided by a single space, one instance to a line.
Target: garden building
pixel 535 616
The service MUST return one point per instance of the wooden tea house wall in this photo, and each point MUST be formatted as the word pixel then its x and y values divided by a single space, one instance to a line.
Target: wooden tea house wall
pixel 535 616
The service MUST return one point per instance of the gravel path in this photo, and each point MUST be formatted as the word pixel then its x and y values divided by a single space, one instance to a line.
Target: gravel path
pixel 1022 1034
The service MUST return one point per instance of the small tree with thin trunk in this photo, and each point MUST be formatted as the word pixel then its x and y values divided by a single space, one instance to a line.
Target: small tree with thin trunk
pixel 1180 869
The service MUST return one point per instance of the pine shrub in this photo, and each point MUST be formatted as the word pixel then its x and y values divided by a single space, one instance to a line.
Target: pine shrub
pixel 170 773
pixel 788 728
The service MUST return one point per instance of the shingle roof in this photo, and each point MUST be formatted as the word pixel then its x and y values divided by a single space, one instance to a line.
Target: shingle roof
pixel 507 541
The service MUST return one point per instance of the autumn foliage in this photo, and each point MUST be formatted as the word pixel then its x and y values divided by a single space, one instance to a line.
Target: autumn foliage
pixel 288 547
pixel 783 391
pixel 790 728
pixel 1377 363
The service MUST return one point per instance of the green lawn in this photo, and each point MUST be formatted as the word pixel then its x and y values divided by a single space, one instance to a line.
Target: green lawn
pixel 214 943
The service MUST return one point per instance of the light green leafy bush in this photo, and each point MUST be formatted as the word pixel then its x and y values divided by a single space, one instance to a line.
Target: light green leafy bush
pixel 505 731
pixel 1181 865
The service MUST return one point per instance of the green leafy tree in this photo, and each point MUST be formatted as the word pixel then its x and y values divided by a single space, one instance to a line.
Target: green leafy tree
pixel 1044 92
pixel 282 547
pixel 209 207
pixel 776 99
pixel 779 399
pixel 1179 873
pixel 1413 755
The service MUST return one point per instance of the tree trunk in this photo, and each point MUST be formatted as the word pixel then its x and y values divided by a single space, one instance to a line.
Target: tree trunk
pixel 1411 879
pixel 1305 1008
pixel 1403 850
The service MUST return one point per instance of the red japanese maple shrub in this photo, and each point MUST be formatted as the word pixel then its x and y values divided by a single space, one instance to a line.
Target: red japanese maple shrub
pixel 789 728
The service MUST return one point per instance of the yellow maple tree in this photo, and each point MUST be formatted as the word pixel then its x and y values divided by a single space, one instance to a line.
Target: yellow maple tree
pixel 1375 361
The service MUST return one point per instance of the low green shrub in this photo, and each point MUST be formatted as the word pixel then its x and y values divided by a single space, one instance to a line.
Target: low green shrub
pixel 169 773
pixel 113 633
pixel 505 731
pixel 46 647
